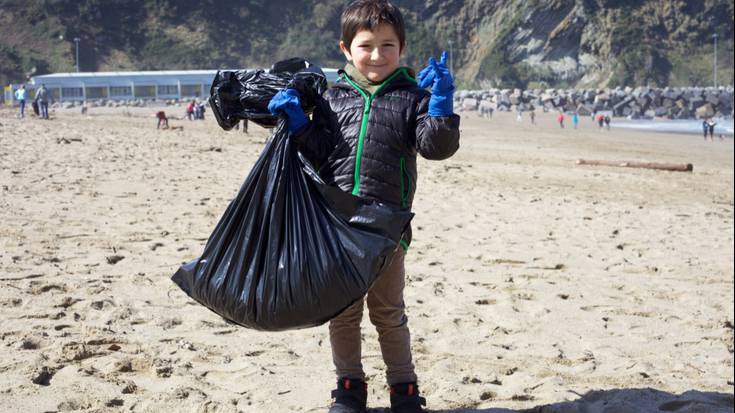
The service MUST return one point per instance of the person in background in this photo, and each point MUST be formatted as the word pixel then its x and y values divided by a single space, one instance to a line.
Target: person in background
pixel 190 109
pixel 705 128
pixel 244 126
pixel 532 116
pixel 575 120
pixel 20 96
pixel 486 109
pixel 162 120
pixel 560 119
pixel 200 111
pixel 42 100
pixel 600 121
pixel 711 129
pixel 607 122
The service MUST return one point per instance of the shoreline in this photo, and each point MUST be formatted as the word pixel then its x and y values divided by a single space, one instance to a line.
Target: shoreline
pixel 677 126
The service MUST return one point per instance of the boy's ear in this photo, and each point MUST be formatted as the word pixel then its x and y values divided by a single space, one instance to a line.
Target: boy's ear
pixel 345 50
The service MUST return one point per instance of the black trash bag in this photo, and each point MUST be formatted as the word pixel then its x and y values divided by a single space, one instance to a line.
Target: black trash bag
pixel 244 94
pixel 292 65
pixel 290 251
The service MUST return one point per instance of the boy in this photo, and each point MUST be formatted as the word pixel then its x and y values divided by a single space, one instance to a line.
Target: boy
pixel 380 119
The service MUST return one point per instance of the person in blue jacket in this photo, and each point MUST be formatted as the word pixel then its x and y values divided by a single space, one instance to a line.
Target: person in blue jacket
pixel 381 118
pixel 20 96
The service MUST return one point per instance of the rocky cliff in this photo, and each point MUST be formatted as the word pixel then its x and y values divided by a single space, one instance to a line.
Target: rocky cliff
pixel 494 43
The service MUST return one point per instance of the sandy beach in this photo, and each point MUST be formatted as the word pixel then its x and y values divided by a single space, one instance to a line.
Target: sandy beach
pixel 533 282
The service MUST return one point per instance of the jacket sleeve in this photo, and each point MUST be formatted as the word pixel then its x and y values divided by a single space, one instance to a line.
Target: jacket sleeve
pixel 437 137
pixel 319 137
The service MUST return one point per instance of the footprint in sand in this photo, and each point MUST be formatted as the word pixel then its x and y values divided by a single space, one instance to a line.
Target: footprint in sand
pixel 102 304
pixel 42 374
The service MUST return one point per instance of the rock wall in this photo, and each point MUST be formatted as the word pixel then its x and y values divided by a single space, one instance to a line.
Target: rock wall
pixel 638 103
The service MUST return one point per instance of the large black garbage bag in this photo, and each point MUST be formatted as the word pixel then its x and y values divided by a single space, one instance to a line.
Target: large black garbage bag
pixel 244 94
pixel 290 251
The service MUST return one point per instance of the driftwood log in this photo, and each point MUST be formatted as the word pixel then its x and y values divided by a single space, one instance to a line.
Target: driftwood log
pixel 676 167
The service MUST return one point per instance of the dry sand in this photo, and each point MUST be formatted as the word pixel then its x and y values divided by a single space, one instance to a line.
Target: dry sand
pixel 531 281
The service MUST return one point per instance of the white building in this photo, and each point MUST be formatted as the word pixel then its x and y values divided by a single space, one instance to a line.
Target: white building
pixel 163 85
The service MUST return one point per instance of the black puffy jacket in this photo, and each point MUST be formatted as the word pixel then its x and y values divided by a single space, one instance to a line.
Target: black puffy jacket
pixel 367 145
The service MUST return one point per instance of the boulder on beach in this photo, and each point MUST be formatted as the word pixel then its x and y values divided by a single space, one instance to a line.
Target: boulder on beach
pixel 705 111
pixel 584 110
pixel 469 104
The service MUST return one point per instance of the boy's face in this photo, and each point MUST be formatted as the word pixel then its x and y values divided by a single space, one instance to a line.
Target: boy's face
pixel 375 53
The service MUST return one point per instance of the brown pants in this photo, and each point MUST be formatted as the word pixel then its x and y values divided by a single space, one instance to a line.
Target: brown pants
pixel 387 313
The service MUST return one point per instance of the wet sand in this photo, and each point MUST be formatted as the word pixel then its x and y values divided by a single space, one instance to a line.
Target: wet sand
pixel 532 281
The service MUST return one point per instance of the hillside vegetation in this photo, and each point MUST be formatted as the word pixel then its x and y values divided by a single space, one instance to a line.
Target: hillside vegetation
pixel 505 43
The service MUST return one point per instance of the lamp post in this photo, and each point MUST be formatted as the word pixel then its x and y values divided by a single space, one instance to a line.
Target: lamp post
pixel 714 65
pixel 451 57
pixel 76 41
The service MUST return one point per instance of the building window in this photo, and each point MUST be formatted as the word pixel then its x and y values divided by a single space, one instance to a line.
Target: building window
pixel 96 92
pixel 125 91
pixel 168 90
pixel 145 91
pixel 72 92
pixel 191 90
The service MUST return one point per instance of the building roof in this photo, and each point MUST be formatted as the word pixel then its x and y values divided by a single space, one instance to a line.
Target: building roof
pixel 144 77
pixel 77 75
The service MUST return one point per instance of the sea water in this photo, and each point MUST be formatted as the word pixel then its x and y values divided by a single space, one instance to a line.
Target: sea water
pixel 724 126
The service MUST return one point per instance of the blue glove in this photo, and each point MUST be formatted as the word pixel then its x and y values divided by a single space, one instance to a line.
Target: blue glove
pixel 437 76
pixel 287 102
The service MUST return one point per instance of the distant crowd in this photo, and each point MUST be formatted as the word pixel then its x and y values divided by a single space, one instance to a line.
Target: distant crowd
pixel 602 120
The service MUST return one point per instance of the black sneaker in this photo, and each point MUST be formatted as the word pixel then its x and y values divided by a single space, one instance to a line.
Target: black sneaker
pixel 349 397
pixel 404 398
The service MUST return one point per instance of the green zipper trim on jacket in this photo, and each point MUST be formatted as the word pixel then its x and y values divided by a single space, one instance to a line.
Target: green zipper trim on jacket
pixel 403 244
pixel 365 116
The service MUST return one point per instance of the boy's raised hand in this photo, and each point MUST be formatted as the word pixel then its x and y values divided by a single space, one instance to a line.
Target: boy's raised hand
pixel 437 75
pixel 287 102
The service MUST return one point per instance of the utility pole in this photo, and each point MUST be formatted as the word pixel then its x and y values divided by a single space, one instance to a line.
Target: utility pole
pixel 714 66
pixel 76 41
pixel 451 57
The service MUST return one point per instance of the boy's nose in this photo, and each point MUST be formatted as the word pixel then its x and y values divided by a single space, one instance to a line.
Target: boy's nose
pixel 375 55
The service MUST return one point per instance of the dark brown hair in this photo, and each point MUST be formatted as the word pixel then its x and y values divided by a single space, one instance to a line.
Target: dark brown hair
pixel 368 15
